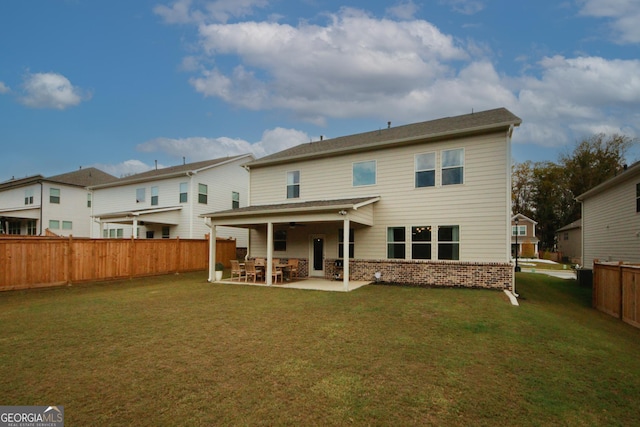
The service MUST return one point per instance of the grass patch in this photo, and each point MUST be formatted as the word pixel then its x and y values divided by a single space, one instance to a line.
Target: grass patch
pixel 176 350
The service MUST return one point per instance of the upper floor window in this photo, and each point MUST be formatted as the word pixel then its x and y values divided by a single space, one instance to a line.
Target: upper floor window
pixel 425 170
pixel 154 196
pixel 396 242
pixel 235 200
pixel 449 242
pixel 364 173
pixel 54 195
pixel 453 166
pixel 184 189
pixel 202 193
pixel 28 196
pixel 638 197
pixel 421 242
pixel 518 230
pixel 140 195
pixel 88 200
pixel 293 185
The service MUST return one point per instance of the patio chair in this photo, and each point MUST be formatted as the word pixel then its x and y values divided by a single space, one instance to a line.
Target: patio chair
pixel 251 271
pixel 293 268
pixel 236 270
pixel 277 271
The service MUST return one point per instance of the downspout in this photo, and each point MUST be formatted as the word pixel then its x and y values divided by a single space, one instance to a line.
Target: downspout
pixel 190 174
pixel 509 207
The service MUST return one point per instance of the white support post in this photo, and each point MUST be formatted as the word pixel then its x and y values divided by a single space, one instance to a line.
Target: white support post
pixel 345 252
pixel 135 227
pixel 212 254
pixel 269 269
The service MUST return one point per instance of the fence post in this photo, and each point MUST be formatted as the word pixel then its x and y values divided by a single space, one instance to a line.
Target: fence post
pixel 594 289
pixel 69 259
pixel 132 256
pixel 178 256
pixel 621 306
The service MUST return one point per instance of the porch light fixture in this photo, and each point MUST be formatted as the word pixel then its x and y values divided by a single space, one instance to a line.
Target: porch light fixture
pixel 342 212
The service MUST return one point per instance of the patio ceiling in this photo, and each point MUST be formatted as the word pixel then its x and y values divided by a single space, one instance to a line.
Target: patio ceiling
pixel 359 210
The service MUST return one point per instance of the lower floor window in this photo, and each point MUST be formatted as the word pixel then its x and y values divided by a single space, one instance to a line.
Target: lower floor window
pixel 31 228
pixel 421 242
pixel 14 227
pixel 165 232
pixel 341 243
pixel 396 242
pixel 449 242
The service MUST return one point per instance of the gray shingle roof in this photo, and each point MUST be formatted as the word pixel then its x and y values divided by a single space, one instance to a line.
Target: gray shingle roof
pixel 423 131
pixel 83 177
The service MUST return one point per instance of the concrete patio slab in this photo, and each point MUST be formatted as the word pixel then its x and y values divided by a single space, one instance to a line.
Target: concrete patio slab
pixel 315 284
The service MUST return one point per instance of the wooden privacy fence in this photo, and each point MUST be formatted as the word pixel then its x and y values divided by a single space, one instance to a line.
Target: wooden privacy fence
pixel 41 261
pixel 616 290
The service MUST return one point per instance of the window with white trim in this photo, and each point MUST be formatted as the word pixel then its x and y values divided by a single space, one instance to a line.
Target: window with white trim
pixel 31 227
pixel 452 166
pixel 352 244
pixel 155 193
pixel 425 170
pixel 141 195
pixel 518 230
pixel 184 191
pixel 67 225
pixel 293 184
pixel 280 240
pixel 235 200
pixel 28 196
pixel 421 242
pixel 396 243
pixel 364 173
pixel 449 242
pixel 88 200
pixel 54 224
pixel 202 193
pixel 54 195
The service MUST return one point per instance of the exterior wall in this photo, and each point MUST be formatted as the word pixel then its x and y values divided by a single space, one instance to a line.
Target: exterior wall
pixel 570 244
pixel 72 207
pixel 12 205
pixel 611 225
pixel 221 181
pixel 480 206
pixel 430 273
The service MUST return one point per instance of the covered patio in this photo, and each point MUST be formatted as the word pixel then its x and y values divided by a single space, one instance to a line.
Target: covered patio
pixel 156 217
pixel 305 226
pixel 311 283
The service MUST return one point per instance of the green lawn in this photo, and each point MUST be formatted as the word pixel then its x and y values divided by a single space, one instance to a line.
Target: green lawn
pixel 176 350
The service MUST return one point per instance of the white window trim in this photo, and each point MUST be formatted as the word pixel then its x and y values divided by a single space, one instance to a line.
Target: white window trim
pixel 375 181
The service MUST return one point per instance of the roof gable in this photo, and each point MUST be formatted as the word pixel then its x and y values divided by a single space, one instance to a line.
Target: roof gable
pixel 417 132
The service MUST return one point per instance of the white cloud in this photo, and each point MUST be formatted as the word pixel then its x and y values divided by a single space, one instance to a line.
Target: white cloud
pixel 354 63
pixel 51 90
pixel 126 168
pixel 4 88
pixel 182 12
pixel 466 7
pixel 403 10
pixel 624 16
pixel 272 141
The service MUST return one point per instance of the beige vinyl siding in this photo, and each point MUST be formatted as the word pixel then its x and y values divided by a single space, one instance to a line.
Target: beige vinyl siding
pixel 479 206
pixel 611 225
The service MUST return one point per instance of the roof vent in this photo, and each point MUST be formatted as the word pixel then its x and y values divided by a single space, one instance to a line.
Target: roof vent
pixel 321 137
pixel 388 125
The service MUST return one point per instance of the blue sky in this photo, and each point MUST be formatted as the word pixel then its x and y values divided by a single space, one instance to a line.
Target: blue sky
pixel 120 84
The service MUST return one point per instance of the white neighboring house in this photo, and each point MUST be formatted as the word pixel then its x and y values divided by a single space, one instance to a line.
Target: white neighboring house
pixel 427 203
pixel 59 203
pixel 611 219
pixel 167 202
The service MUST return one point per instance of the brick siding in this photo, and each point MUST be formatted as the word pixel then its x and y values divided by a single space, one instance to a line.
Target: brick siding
pixel 429 273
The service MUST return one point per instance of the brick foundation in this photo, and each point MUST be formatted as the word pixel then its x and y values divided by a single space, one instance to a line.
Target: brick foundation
pixel 486 275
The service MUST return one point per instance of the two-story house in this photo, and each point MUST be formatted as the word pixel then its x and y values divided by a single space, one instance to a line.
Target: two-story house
pixel 611 219
pixel 524 242
pixel 167 202
pixel 60 203
pixel 427 203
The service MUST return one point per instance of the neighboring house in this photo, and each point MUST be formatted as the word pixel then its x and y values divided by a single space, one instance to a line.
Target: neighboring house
pixel 167 202
pixel 611 219
pixel 60 203
pixel 569 242
pixel 426 203
pixel 524 242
